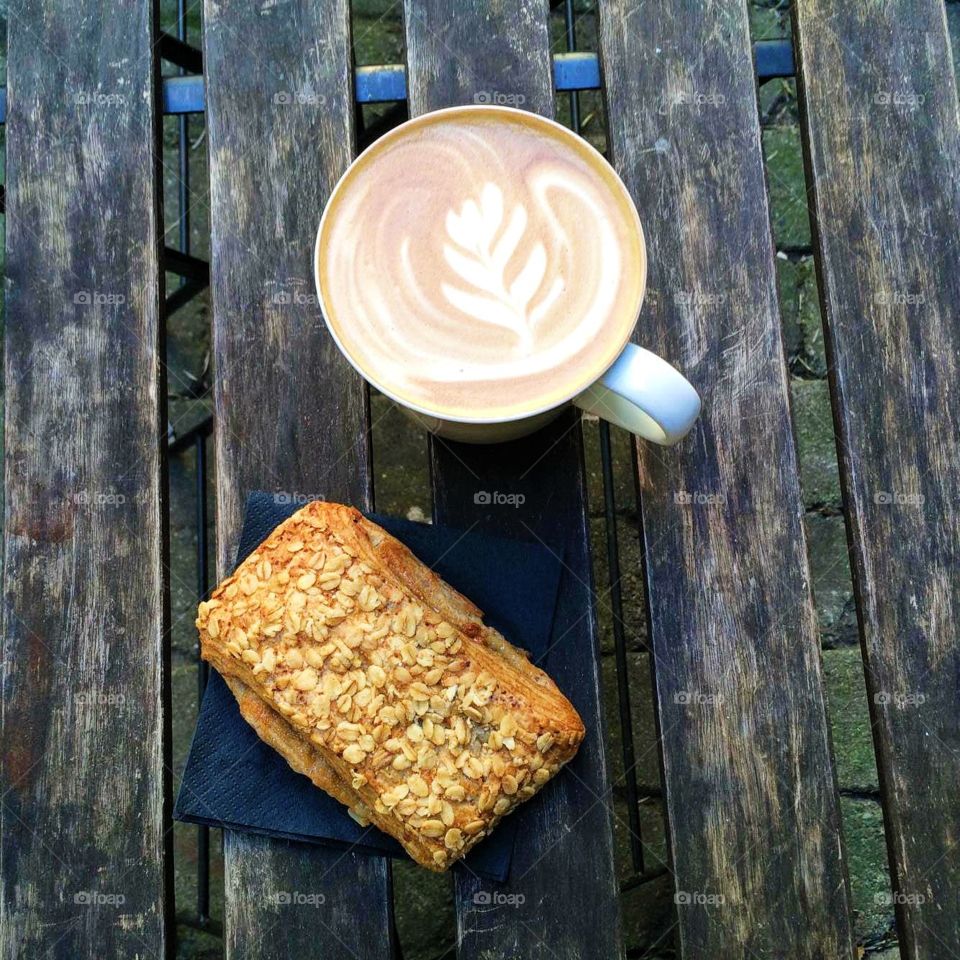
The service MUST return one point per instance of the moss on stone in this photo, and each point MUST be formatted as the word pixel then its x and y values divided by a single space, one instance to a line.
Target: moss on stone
pixel 800 309
pixel 423 908
pixel 813 424
pixel 867 863
pixel 196 944
pixel 768 21
pixel 850 720
pixel 832 583
pixel 632 590
pixel 648 912
pixel 646 755
pixel 622 458
pixel 787 187
pixel 377 32
pixel 401 473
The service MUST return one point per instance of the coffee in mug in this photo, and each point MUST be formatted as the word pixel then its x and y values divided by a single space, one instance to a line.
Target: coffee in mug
pixel 483 266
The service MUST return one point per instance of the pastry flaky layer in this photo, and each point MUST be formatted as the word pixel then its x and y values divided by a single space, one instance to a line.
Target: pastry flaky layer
pixel 382 684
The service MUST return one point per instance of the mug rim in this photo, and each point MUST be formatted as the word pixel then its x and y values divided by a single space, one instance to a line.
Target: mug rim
pixel 399 130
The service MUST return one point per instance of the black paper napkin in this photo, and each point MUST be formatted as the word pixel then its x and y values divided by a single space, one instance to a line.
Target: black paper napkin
pixel 232 779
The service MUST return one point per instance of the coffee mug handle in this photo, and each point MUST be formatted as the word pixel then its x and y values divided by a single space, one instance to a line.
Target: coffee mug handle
pixel 643 394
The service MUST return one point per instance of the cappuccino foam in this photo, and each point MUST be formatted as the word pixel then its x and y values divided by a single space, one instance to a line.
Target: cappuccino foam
pixel 481 264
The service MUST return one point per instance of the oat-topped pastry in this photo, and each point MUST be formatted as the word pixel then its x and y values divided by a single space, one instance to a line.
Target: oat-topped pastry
pixel 382 684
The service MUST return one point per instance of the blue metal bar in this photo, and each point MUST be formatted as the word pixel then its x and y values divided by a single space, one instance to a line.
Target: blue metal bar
pixel 773 58
pixel 387 84
pixel 576 71
pixel 183 94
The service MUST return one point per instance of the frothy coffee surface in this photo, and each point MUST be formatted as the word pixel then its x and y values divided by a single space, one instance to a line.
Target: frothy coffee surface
pixel 481 266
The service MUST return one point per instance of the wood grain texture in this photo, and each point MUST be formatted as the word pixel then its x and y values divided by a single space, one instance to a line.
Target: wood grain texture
pixel 563 860
pixel 883 150
pixel 85 781
pixel 284 894
pixel 480 51
pixel 752 807
pixel 291 414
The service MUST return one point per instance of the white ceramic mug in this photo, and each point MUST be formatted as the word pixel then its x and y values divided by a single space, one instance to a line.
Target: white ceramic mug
pixel 640 391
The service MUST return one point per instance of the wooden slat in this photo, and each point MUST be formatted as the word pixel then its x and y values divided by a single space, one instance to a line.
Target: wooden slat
pixel 291 415
pixel 334 903
pixel 751 801
pixel 85 783
pixel 563 863
pixel 883 148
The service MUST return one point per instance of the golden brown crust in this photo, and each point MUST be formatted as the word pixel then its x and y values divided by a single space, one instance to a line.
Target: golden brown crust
pixel 377 680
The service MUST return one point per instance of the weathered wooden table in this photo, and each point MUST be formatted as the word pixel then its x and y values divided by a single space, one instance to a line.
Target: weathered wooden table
pixel 750 797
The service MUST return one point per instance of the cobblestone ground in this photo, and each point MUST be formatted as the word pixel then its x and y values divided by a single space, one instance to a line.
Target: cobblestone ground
pixel 423 902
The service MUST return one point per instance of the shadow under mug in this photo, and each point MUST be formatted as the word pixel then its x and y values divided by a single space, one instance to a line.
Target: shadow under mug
pixel 639 391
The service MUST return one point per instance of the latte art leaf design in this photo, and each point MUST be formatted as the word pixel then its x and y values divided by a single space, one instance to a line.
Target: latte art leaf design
pixel 483 261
